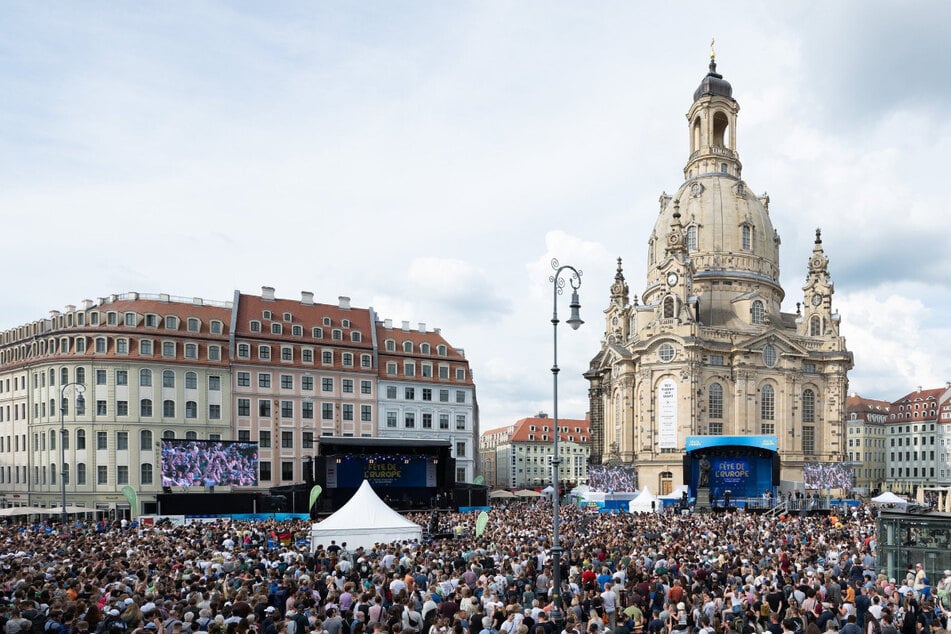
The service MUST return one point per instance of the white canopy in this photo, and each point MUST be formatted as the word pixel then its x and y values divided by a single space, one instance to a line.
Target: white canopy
pixel 364 520
pixel 645 502
pixel 676 494
pixel 890 498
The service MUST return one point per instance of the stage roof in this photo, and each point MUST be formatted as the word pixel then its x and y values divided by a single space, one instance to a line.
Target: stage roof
pixel 706 442
pixel 333 442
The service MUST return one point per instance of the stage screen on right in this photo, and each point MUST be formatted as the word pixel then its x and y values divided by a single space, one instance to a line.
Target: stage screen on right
pixel 826 475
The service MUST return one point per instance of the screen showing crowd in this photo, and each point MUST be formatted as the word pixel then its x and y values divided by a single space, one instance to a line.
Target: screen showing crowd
pixel 826 475
pixel 606 479
pixel 192 463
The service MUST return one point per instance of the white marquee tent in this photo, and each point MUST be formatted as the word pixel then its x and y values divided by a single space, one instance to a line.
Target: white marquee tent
pixel 645 502
pixel 364 520
pixel 890 498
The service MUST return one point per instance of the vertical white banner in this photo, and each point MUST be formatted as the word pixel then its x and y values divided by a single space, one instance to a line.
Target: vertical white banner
pixel 667 414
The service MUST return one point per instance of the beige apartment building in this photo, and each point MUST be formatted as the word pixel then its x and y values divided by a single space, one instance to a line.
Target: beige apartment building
pixel 117 375
pixel 866 432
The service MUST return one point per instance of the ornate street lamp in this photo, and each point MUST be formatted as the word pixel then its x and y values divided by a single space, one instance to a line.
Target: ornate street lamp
pixel 573 277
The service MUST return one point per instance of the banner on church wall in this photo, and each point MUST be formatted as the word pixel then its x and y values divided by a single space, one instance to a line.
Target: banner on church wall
pixel 667 414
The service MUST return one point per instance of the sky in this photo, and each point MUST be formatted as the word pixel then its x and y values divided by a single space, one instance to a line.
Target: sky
pixel 430 159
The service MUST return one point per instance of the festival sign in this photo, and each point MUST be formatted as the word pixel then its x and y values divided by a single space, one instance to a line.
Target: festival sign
pixel 667 414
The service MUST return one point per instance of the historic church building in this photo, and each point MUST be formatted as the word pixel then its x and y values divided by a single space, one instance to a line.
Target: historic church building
pixel 707 350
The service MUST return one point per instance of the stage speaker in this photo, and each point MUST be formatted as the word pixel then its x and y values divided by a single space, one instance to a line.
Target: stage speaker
pixel 688 462
pixel 320 471
pixel 308 468
pixel 776 466
pixel 447 476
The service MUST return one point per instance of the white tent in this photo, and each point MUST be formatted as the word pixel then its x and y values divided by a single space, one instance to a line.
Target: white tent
pixel 364 520
pixel 676 494
pixel 890 498
pixel 645 502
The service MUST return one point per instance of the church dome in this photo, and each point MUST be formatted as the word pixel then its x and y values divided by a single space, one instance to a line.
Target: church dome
pixel 713 84
pixel 727 229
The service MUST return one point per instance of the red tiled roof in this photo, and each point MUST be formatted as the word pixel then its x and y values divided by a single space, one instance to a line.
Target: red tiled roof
pixel 856 403
pixel 308 316
pixel 544 427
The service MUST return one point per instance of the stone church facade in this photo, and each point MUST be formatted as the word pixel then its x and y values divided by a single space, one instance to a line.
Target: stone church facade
pixel 707 350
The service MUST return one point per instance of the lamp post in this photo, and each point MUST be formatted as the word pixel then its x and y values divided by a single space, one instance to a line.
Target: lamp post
pixel 573 277
pixel 62 436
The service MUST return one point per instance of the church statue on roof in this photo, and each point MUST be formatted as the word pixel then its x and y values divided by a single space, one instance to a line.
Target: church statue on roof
pixel 706 360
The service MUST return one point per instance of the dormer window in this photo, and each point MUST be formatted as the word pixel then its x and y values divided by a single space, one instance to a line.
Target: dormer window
pixel 757 312
pixel 266 315
pixel 746 236
pixel 317 332
pixel 288 317
pixel 255 326
pixel 171 322
pixel 130 319
pixel 345 323
pixel 407 346
pixel 193 324
pixel 356 337
pixel 276 329
pixel 424 348
pixel 692 238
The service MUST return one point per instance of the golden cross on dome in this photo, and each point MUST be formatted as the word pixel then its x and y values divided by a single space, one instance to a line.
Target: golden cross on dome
pixel 713 53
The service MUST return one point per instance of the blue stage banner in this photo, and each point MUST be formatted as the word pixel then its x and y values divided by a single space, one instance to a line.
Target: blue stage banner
pixel 706 442
pixel 726 472
pixel 350 472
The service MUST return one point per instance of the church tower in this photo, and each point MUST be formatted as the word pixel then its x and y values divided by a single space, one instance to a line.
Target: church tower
pixel 708 350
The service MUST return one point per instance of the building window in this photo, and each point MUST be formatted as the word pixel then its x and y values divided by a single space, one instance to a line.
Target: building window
pixel 122 346
pixel 307 410
pixel 255 326
pixel 758 312
pixel 366 413
pixel 808 439
pixel 666 352
pixel 168 349
pixel 102 440
pixel 317 333
pixel 409 393
pixel 287 409
pixel 767 407
pixel 347 386
pixel 444 421
pixel 326 411
pixel 216 327
pixel 100 408
pixel 815 326
pixel 244 379
pixel 264 407
pixel 409 420
pixel 264 439
pixel 168 408
pixel 347 359
pixel 326 384
pixel 327 357
pixel 390 345
pixel 287 440
pixel 443 396
pixel 307 440
pixel 365 361
pixel 770 356
pixel 356 337
pixel 808 407
pixel 668 307
pixel 264 380
pixel 145 408
pixel 122 441
pixel 715 401
pixel 191 409
pixel 307 383
pixel 336 334
pixel 391 420
pixel 264 353
pixel 145 473
pixel 191 350
pixel 460 374
pixel 692 238
pixel 145 440
pixel 276 329
pixel 122 408
pixel 287 382
pixel 244 351
pixel 168 378
pixel 460 422
pixel 366 387
pixel 102 474
pixel 244 407
pixel 264 470
pixel 287 352
pixel 460 396
pixel 348 412
pixel 287 471
pixel 460 450
pixel 747 237
pixel 307 355
pixel 145 377
pixel 214 383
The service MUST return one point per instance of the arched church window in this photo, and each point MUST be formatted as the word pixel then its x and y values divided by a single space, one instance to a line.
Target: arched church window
pixel 767 403
pixel 692 238
pixel 696 135
pixel 669 308
pixel 815 326
pixel 758 312
pixel 715 400
pixel 808 406
pixel 747 237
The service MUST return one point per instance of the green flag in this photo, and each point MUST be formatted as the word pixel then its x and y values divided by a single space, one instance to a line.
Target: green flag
pixel 314 494
pixel 481 522
pixel 130 495
pixel 478 479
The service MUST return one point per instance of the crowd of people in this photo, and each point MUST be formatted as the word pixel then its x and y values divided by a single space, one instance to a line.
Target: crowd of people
pixel 624 573
pixel 208 463
pixel 822 476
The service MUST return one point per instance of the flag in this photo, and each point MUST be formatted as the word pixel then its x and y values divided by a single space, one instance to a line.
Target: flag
pixel 130 495
pixel 481 522
pixel 478 479
pixel 314 494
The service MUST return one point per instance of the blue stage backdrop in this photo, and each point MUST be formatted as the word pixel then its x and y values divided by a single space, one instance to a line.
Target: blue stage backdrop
pixel 742 465
pixel 349 472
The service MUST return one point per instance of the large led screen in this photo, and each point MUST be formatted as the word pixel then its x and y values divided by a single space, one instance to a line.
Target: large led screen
pixel 197 463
